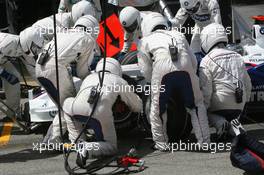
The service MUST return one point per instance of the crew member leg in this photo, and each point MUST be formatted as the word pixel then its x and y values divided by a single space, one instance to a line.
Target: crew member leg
pixel 12 92
pixel 158 121
pixel 66 90
pixel 199 114
pixel 196 41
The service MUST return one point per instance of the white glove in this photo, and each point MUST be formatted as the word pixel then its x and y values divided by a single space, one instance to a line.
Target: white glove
pixel 237 127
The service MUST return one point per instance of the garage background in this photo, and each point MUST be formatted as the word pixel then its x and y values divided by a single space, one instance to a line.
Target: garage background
pixel 15 15
pixel 21 13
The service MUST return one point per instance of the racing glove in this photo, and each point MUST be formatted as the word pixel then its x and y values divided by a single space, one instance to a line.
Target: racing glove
pixel 237 127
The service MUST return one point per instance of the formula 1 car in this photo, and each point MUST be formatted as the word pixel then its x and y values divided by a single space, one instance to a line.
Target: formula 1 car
pixel 252 50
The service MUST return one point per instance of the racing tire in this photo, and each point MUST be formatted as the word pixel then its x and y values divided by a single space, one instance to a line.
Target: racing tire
pixel 125 120
pixel 179 125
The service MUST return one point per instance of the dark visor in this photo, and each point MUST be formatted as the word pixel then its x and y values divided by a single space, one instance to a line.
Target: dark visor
pixel 194 9
pixel 132 27
pixel 35 49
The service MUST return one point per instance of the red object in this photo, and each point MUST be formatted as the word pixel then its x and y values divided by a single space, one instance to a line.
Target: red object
pixel 250 65
pixel 114 34
pixel 259 18
pixel 259 159
pixel 127 161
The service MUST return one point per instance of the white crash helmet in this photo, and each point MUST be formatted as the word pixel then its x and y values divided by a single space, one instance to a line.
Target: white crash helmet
pixel 90 25
pixel 130 18
pixel 111 65
pixel 211 35
pixel 191 6
pixel 258 34
pixel 151 21
pixel 82 8
pixel 258 30
pixel 31 41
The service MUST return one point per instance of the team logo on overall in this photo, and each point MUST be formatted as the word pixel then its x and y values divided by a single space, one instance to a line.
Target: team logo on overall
pixel 261 30
pixel 124 23
pixel 186 3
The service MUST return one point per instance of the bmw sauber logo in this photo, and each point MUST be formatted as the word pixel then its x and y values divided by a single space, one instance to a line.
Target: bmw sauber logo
pixel 186 3
pixel 124 23
pixel 261 30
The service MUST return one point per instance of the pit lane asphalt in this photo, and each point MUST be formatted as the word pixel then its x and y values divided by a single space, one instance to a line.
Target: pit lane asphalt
pixel 18 157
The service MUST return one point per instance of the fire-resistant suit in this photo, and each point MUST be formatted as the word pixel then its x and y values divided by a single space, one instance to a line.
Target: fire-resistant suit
pixel 45 25
pixel 130 37
pixel 10 49
pixel 64 21
pixel 209 12
pixel 156 64
pixel 102 122
pixel 73 46
pixel 21 49
pixel 220 71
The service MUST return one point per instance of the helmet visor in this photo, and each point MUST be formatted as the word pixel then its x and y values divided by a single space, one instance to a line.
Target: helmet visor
pixel 194 9
pixel 132 27
pixel 35 49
